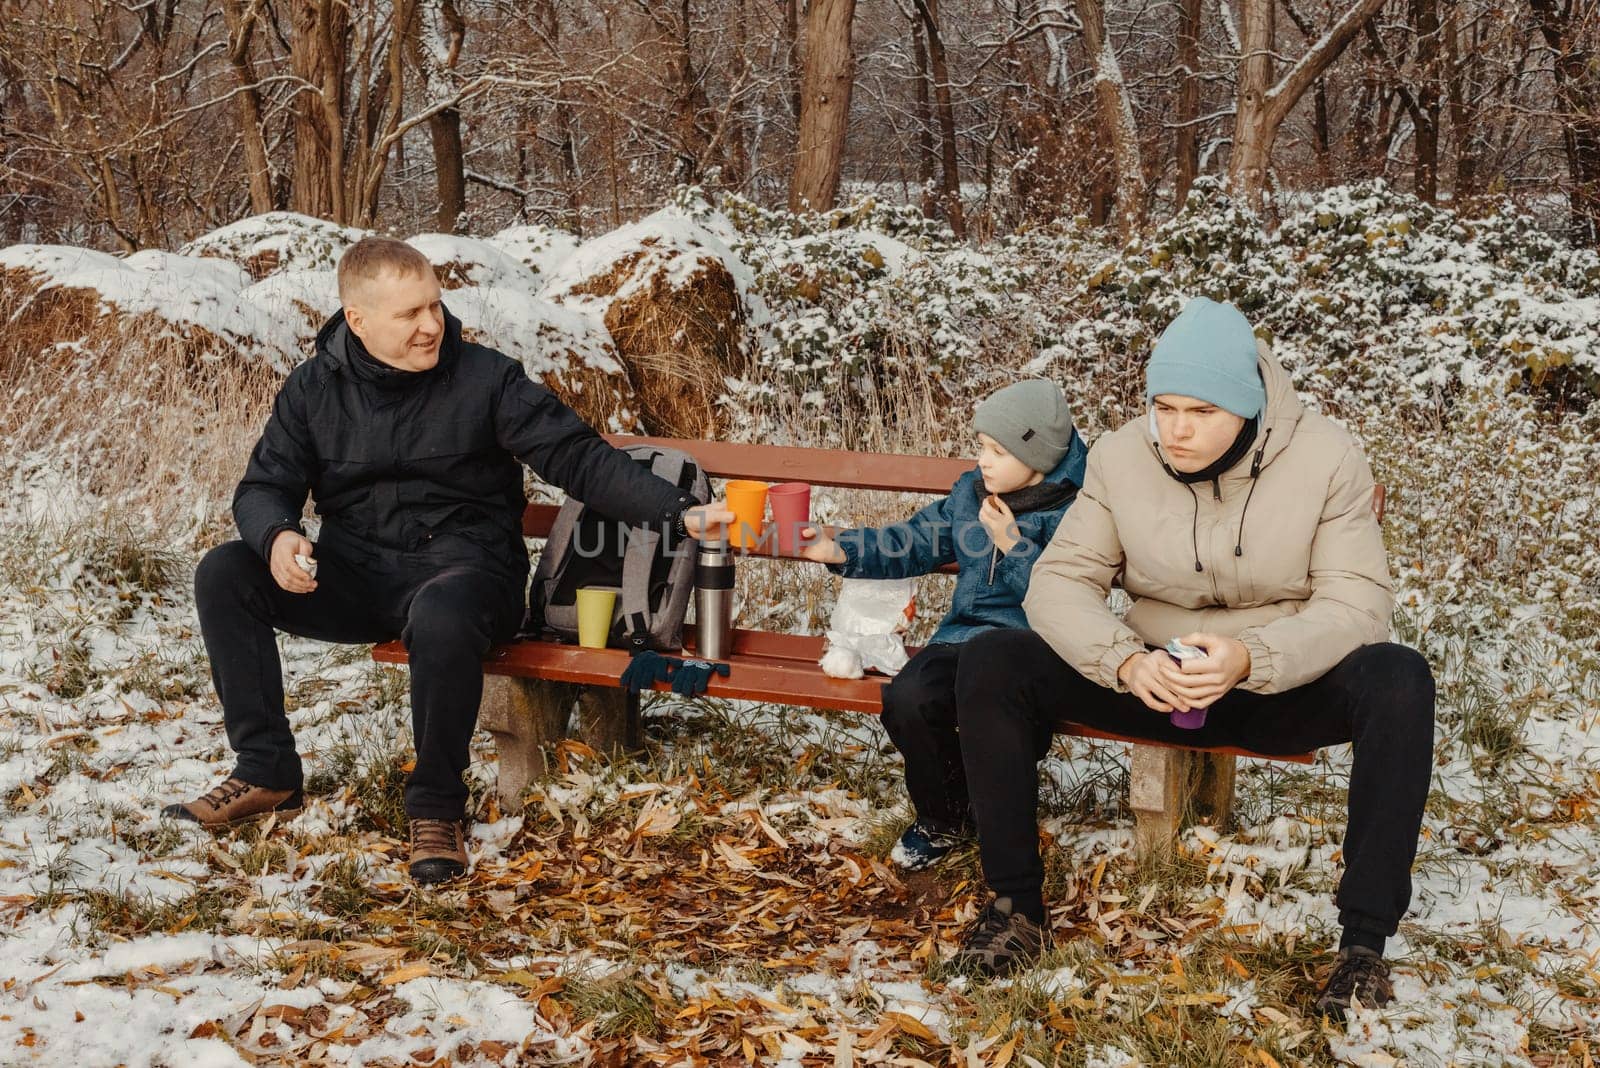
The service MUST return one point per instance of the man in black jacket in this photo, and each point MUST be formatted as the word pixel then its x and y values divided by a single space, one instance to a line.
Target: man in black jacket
pixel 411 442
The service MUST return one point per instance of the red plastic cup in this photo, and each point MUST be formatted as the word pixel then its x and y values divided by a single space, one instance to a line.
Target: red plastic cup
pixel 791 513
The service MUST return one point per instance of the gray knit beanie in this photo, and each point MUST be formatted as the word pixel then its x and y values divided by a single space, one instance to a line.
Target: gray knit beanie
pixel 1030 419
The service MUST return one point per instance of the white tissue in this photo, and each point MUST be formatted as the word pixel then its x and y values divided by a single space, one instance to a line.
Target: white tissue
pixel 840 663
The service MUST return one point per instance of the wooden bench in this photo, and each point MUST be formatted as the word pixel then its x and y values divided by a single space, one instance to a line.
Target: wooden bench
pixel 536 692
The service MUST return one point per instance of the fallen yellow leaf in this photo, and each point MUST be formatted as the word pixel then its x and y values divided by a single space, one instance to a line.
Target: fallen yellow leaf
pixel 415 970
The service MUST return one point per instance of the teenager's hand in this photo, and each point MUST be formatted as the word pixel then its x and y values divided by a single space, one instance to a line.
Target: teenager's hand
pixel 285 572
pixel 816 543
pixel 1145 677
pixel 999 522
pixel 708 522
pixel 1202 681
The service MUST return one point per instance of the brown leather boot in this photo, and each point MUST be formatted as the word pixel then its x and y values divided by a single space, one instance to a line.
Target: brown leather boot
pixel 235 801
pixel 438 850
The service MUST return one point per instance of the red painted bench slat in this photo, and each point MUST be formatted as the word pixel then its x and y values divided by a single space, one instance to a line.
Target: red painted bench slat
pixel 778 668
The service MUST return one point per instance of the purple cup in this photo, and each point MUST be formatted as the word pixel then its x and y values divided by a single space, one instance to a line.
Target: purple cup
pixel 791 513
pixel 1193 719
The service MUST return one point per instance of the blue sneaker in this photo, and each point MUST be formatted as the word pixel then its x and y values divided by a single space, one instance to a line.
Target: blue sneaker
pixel 923 846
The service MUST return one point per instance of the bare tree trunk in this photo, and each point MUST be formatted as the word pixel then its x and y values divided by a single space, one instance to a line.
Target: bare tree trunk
pixel 1262 103
pixel 1425 21
pixel 1116 117
pixel 791 44
pixel 1187 147
pixel 1320 122
pixel 318 54
pixel 924 112
pixel 438 32
pixel 241 32
pixel 950 178
pixel 1577 77
pixel 1463 127
pixel 824 105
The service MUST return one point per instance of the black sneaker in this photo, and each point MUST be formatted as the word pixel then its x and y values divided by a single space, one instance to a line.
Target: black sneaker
pixel 923 845
pixel 999 942
pixel 1359 976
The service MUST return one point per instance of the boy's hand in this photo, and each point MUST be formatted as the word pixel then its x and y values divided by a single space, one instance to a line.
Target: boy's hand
pixel 1144 674
pixel 816 543
pixel 285 571
pixel 999 522
pixel 1201 682
pixel 708 522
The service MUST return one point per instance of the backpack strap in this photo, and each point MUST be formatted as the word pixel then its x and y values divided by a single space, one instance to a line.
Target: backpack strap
pixel 553 561
pixel 558 543
pixel 637 562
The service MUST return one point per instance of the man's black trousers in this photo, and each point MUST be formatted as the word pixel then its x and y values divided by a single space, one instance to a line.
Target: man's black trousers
pixel 1012 689
pixel 447 614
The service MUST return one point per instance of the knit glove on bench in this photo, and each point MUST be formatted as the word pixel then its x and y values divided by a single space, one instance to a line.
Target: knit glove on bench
pixel 688 677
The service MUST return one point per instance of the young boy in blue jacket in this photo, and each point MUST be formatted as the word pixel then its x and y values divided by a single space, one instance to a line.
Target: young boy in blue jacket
pixel 996 520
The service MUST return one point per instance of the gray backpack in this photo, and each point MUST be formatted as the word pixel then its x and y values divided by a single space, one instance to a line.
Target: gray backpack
pixel 653 580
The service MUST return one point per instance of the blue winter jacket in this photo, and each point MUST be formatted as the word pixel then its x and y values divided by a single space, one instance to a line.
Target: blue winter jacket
pixel 989 585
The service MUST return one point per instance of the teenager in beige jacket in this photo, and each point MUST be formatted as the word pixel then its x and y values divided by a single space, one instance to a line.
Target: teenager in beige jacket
pixel 1239 523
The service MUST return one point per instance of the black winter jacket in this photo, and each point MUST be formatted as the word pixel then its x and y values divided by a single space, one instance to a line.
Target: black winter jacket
pixel 428 462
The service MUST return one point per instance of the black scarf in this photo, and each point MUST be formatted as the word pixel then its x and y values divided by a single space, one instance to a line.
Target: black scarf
pixel 1038 497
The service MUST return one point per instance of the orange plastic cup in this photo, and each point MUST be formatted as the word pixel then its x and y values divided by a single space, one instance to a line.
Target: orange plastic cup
pixel 748 503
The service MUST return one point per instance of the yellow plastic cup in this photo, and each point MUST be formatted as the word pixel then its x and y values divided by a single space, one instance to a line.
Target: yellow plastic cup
pixel 594 616
pixel 748 503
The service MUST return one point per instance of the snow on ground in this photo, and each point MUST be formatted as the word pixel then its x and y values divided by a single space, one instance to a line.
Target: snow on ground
pixel 202 951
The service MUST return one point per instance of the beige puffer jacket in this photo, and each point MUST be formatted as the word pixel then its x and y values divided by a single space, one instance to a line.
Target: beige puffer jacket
pixel 1300 577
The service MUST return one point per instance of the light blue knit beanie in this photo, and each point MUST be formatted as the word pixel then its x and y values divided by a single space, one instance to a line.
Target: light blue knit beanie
pixel 1209 353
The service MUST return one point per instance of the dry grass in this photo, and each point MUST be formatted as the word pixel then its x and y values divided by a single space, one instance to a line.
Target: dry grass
pixel 128 413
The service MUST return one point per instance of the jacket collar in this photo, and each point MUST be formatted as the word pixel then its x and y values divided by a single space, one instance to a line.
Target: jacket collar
pixel 338 344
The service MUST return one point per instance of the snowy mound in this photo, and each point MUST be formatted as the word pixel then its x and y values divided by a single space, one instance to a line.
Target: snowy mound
pixel 277 241
pixel 678 303
pixel 301 300
pixel 567 350
pixel 465 261
pixel 664 251
pixel 60 295
pixel 541 248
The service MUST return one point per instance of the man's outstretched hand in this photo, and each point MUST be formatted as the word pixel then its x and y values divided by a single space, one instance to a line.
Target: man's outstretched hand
pixel 708 522
pixel 286 571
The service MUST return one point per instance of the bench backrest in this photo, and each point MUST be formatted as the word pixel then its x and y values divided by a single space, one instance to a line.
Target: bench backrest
pixel 820 467
pixel 777 463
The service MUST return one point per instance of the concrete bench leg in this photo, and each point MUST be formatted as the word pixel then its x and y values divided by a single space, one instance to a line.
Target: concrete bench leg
pixel 1168 787
pixel 607 719
pixel 527 716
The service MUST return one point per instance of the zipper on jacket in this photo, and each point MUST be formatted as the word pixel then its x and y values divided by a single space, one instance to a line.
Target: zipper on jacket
pixel 994 561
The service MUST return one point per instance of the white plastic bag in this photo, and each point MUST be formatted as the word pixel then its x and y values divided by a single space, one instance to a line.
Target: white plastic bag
pixel 865 631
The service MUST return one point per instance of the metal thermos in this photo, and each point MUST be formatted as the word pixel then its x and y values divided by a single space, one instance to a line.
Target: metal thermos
pixel 713 600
